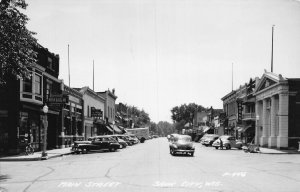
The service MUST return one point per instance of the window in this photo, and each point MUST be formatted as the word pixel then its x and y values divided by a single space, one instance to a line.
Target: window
pixel 48 88
pixel 88 111
pixel 27 85
pixel 50 64
pixel 38 84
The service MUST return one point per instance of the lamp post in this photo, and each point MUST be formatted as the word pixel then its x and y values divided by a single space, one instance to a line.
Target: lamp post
pixel 44 154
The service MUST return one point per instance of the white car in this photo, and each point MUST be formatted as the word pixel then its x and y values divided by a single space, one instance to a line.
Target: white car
pixel 228 142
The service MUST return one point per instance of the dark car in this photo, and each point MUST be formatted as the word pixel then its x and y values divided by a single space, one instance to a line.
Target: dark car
pixel 208 141
pixel 96 143
pixel 125 138
pixel 120 141
pixel 181 144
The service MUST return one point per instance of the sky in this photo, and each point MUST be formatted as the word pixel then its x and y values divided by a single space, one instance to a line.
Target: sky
pixel 158 54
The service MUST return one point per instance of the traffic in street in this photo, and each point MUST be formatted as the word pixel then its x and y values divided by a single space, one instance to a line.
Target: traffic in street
pixel 149 166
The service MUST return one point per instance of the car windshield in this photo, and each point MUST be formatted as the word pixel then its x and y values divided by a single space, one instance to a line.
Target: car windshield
pixel 224 137
pixel 184 139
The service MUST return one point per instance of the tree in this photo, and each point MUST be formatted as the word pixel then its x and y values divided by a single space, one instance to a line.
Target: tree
pixel 165 128
pixel 17 43
pixel 185 112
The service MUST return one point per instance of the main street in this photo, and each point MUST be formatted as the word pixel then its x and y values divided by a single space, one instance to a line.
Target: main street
pixel 149 167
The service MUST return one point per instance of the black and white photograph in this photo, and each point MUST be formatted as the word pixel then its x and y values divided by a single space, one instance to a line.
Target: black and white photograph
pixel 149 95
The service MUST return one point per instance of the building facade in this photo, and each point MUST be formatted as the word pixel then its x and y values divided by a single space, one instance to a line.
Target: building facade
pixel 94 107
pixel 230 109
pixel 21 103
pixel 278 111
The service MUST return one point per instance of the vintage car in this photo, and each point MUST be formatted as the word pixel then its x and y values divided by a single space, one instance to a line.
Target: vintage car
pixel 96 143
pixel 133 139
pixel 120 141
pixel 228 142
pixel 209 139
pixel 181 144
pixel 125 138
pixel 171 136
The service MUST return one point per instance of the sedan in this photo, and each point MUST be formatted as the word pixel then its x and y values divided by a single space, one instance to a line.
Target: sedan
pixel 181 144
pixel 228 142
pixel 96 143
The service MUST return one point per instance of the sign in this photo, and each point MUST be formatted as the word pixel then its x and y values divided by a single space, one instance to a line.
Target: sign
pixel 58 99
pixel 96 112
pixel 240 110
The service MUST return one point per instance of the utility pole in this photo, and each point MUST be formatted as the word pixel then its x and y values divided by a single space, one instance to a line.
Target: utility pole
pixel 272 49
pixel 93 75
pixel 69 67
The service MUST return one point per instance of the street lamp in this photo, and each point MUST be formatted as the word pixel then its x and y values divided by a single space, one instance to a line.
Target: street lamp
pixel 44 154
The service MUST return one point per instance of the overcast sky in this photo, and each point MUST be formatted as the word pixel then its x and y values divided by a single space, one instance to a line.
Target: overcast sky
pixel 158 54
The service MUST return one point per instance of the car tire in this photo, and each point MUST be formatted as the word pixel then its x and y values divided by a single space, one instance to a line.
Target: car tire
pixel 228 147
pixel 192 154
pixel 217 147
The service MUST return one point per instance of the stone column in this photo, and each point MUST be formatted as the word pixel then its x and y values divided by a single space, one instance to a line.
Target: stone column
pixel 258 118
pixel 264 118
pixel 282 139
pixel 273 138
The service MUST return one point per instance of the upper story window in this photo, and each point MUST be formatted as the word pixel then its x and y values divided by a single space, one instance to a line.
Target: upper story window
pixel 27 85
pixel 38 84
pixel 50 63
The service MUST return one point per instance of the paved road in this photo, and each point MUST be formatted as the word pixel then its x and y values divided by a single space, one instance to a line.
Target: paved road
pixel 150 167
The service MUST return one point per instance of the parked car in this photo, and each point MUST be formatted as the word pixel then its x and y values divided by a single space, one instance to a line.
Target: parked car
pixel 120 141
pixel 208 140
pixel 228 142
pixel 133 139
pixel 125 138
pixel 181 144
pixel 96 143
pixel 203 137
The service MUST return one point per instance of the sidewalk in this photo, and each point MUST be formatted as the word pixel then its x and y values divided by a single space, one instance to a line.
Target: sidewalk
pixel 37 155
pixel 264 150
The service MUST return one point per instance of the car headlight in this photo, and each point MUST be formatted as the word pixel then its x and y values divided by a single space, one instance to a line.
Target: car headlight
pixel 175 146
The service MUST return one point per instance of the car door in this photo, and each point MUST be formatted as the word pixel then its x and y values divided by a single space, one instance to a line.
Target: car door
pixel 98 143
pixel 106 143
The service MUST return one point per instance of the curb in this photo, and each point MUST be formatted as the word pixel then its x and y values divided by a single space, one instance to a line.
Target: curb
pixel 34 158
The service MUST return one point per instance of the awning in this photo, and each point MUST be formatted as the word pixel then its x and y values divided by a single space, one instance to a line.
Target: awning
pixel 247 128
pixel 205 129
pixel 107 127
pixel 115 129
pixel 244 129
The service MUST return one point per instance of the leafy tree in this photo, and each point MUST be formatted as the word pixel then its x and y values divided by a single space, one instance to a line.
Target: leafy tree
pixel 165 128
pixel 17 43
pixel 185 112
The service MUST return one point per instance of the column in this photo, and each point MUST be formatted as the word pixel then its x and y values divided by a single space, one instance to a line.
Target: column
pixel 264 118
pixel 273 138
pixel 257 122
pixel 282 139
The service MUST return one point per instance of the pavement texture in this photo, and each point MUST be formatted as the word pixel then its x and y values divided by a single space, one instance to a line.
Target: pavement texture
pixel 67 151
pixel 37 155
pixel 149 167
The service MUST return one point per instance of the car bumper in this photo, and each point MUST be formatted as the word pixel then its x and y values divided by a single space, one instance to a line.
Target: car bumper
pixel 184 150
